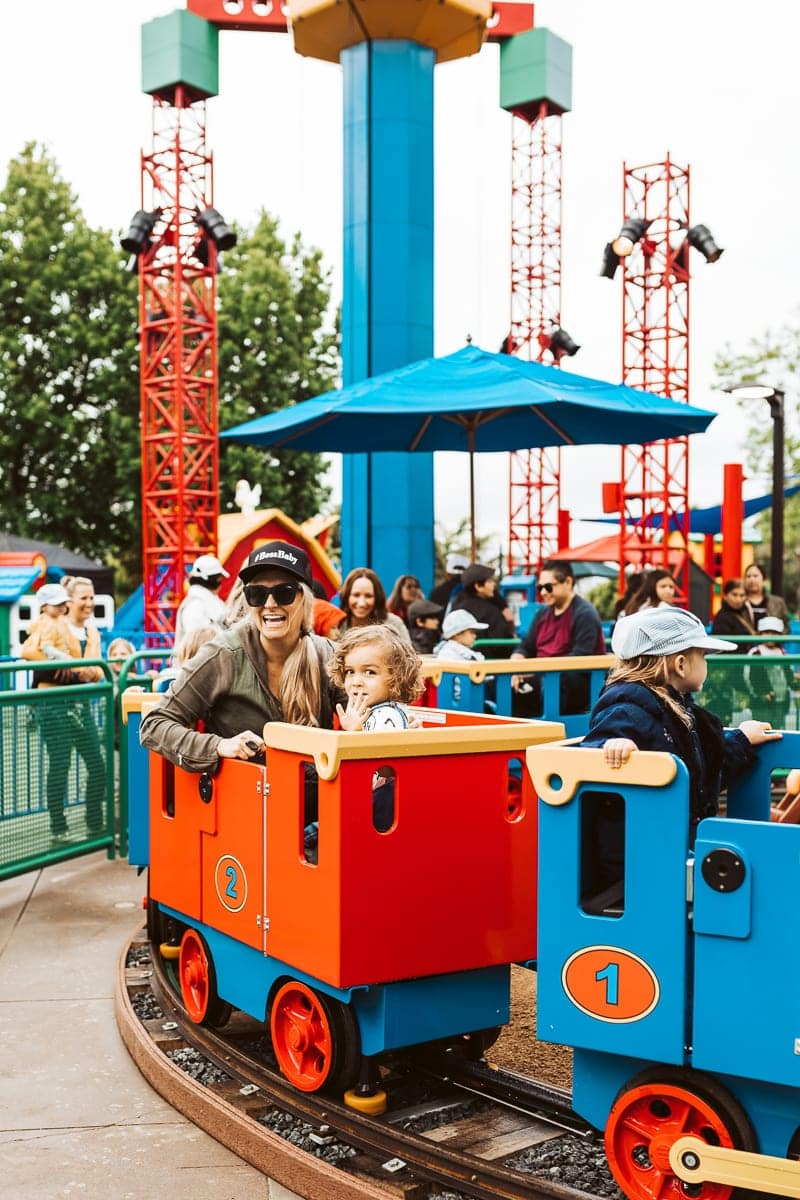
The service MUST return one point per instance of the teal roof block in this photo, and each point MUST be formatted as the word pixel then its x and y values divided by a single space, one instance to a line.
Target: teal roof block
pixel 535 66
pixel 180 48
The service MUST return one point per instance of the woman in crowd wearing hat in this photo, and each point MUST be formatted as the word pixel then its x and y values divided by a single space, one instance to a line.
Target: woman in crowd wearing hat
pixel 479 597
pixel 65 630
pixel 424 625
pixel 364 603
pixel 269 666
pixel 647 705
pixel 201 605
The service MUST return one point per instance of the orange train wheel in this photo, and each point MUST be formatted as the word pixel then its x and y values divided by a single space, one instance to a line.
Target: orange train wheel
pixel 198 982
pixel 651 1112
pixel 314 1038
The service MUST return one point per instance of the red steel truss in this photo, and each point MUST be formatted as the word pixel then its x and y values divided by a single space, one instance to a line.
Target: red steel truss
pixel 535 475
pixel 178 354
pixel 654 493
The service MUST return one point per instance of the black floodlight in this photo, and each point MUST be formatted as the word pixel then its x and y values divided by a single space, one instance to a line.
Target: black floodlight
pixel 700 237
pixel 560 343
pixel 213 224
pixel 610 262
pixel 630 233
pixel 137 239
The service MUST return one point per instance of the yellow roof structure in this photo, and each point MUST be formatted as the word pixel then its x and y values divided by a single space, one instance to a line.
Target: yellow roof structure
pixel 453 28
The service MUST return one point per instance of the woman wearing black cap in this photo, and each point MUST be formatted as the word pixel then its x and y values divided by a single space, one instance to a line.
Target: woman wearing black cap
pixel 269 666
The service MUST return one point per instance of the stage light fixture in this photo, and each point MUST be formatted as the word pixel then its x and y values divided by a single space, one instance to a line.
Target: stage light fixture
pixel 213 224
pixel 700 237
pixel 560 343
pixel 610 262
pixel 630 233
pixel 137 239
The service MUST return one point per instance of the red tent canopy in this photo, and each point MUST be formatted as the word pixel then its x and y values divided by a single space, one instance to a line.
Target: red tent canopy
pixel 606 549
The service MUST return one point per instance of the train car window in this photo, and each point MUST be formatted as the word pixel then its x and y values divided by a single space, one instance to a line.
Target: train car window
pixel 168 793
pixel 603 853
pixel 384 786
pixel 309 790
pixel 514 805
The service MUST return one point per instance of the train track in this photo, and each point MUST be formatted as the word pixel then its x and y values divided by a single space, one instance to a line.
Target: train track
pixel 450 1124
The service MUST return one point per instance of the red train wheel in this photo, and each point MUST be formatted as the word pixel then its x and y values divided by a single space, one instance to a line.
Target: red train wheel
pixel 198 982
pixel 315 1039
pixel 651 1112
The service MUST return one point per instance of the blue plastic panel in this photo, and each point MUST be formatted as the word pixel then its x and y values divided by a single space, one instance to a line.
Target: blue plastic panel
pixel 747 981
pixel 387 310
pixel 632 969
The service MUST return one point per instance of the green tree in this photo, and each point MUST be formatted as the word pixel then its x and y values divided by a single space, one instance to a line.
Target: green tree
pixel 277 346
pixel 775 358
pixel 69 397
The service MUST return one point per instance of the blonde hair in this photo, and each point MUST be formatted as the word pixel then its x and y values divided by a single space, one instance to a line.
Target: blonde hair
pixel 403 663
pixel 653 670
pixel 301 679
pixel 70 582
pixel 120 647
pixel 192 642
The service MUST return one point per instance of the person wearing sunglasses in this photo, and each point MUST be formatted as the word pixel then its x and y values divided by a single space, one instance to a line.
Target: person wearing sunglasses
pixel 268 666
pixel 566 624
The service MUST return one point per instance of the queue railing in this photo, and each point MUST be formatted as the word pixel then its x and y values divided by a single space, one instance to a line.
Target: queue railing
pixel 764 687
pixel 52 805
pixel 552 689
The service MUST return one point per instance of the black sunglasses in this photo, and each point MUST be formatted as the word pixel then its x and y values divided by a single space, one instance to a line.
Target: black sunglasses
pixel 545 587
pixel 257 594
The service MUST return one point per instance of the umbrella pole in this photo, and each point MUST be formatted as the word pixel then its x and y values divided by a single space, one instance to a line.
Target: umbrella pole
pixel 473 548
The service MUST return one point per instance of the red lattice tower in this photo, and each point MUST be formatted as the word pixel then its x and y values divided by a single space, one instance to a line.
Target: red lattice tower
pixel 654 493
pixel 178 357
pixel 535 517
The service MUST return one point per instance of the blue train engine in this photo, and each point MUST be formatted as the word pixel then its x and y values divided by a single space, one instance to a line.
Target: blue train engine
pixel 678 984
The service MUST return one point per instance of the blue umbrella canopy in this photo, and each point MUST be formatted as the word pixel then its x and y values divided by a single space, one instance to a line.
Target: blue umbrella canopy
pixel 473 400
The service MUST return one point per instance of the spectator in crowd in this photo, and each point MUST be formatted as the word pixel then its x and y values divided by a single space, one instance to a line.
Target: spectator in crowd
pixel 632 584
pixel 364 603
pixel 770 681
pixel 67 631
pixel 734 615
pixel 327 617
pixel 201 605
pixel 444 592
pixel 657 590
pixel 460 631
pixel 424 625
pixel 480 599
pixel 760 602
pixel 270 666
pixel 565 625
pixel 407 589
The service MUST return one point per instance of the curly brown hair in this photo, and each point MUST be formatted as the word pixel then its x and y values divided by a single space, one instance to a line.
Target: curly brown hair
pixel 402 661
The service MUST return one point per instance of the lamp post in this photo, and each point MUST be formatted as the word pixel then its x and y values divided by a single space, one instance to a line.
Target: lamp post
pixel 775 398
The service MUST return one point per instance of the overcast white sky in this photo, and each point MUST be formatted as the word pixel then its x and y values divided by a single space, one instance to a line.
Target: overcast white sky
pixel 714 83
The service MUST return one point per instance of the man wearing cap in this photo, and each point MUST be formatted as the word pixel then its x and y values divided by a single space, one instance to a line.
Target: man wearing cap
pixel 769 680
pixel 460 631
pixel 566 625
pixel 479 597
pixel 424 625
pixel 201 605
pixel 455 565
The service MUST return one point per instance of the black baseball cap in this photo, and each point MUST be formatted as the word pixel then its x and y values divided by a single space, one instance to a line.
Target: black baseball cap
pixel 287 558
pixel 424 608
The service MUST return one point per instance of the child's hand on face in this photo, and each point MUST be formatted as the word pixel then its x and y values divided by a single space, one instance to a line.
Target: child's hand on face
pixel 353 717
pixel 617 751
pixel 758 732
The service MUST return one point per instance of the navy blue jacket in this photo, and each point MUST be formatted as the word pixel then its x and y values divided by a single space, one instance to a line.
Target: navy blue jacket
pixel 713 756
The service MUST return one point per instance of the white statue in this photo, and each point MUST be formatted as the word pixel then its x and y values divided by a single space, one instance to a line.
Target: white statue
pixel 247 498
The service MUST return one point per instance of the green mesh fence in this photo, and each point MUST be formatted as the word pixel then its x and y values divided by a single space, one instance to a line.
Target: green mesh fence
pixel 56 769
pixel 759 686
